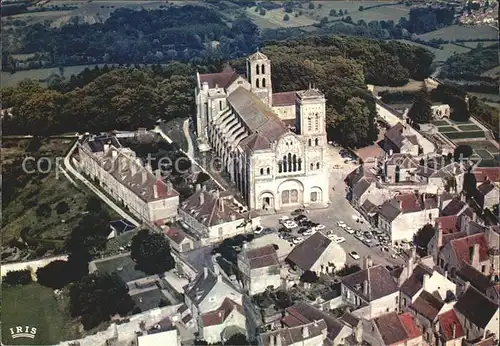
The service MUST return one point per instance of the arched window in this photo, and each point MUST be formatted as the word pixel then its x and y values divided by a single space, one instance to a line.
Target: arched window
pixel 294 159
pixel 257 69
pixel 299 162
pixel 262 171
pixel 290 163
pixel 316 122
pixel 285 165
pixel 316 142
pixel 220 105
pixel 309 141
pixel 312 166
pixel 280 167
pixel 268 170
pixel 309 124
pixel 317 165
pixel 263 68
pixel 263 82
pixel 257 83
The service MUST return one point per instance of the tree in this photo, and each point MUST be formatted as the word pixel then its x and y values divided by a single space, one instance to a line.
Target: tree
pixel 56 274
pixel 462 152
pixel 422 238
pixel 309 277
pixel 286 17
pixel 17 277
pixel 44 210
pixel 94 205
pixel 97 297
pixel 470 184
pixel 90 235
pixel 62 207
pixel 262 12
pixel 341 13
pixel 151 252
pixel 360 8
pixel 420 112
pixel 323 21
pixel 237 339
pixel 163 302
pixel 348 269
pixel 333 13
pixel 311 6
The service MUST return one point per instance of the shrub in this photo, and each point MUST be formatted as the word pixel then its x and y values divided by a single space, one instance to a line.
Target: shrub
pixel 62 207
pixel 262 12
pixel 18 277
pixel 286 17
pixel 43 210
pixel 311 6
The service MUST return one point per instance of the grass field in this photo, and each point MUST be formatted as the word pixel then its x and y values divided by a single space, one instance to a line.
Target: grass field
pixel 447 129
pixel 494 72
pixel 471 127
pixel 274 19
pixel 463 135
pixel 458 32
pixel 448 49
pixel 35 306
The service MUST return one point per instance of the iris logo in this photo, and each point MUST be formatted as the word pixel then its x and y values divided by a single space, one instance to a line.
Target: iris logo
pixel 23 332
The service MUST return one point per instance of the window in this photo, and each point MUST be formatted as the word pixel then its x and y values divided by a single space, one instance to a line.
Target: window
pixel 309 141
pixel 309 124
pixel 262 171
pixel 263 82
pixel 257 69
pixel 316 142
pixel 268 171
pixel 299 163
pixel 285 166
pixel 290 162
pixel 294 196
pixel 312 166
pixel 316 122
pixel 280 166
pixel 263 69
pixel 257 83
pixel 404 301
pixel 314 196
pixel 317 165
pixel 285 197
pixel 483 269
pixel 220 105
pixel 294 161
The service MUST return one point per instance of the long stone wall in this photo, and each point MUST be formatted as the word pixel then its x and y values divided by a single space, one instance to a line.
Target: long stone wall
pixel 31 265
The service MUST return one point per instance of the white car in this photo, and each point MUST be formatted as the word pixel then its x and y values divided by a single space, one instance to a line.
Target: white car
pixel 331 235
pixel 290 224
pixel 354 255
pixel 297 240
pixel 349 230
pixel 320 227
pixel 341 224
pixel 258 230
pixel 284 218
pixel 339 240
pixel 310 231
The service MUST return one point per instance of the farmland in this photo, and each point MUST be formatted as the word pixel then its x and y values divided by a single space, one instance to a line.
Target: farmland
pixel 458 32
pixel 274 19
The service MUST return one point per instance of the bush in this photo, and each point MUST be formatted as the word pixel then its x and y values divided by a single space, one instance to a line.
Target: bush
pixel 56 274
pixel 286 17
pixel 18 277
pixel 311 6
pixel 361 8
pixel 163 302
pixel 62 207
pixel 461 152
pixel 309 276
pixel 44 210
pixel 262 12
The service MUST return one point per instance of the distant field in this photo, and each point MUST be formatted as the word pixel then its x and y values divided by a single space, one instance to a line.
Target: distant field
pixel 412 85
pixel 494 72
pixel 448 49
pixel 351 6
pixel 35 305
pixel 490 97
pixel 458 32
pixel 274 19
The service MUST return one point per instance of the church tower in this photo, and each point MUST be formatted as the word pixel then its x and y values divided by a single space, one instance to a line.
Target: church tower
pixel 259 77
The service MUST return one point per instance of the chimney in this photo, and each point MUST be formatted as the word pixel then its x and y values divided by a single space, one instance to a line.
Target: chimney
pixel 202 198
pixel 205 272
pixel 425 282
pixel 144 176
pixel 114 154
pixel 439 201
pixel 305 332
pixel 367 262
pixel 205 86
pixel 391 152
pixel 365 287
pixel 155 190
pixel 454 331
pixel 475 256
pixel 198 187
pixel 466 286
pixel 203 188
pixel 278 340
pixel 271 340
pixel 463 198
pixel 410 264
pixel 439 238
pixel 233 217
pixel 221 204
pixel 106 148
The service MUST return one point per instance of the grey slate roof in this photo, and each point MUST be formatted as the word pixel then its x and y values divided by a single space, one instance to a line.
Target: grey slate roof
pixel 389 211
pixel 380 282
pixel 202 286
pixel 415 282
pixel 361 187
pixel 485 188
pixel 476 307
pixel 313 314
pixel 475 277
pixel 307 253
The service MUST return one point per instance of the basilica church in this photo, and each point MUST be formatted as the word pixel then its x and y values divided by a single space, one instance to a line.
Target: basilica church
pixel 272 145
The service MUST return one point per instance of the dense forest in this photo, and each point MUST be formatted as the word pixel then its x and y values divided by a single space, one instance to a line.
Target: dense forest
pixel 113 98
pixel 470 65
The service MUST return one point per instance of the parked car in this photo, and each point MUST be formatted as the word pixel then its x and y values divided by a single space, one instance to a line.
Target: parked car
pixel 310 231
pixel 300 217
pixel 320 227
pixel 354 255
pixel 341 224
pixel 297 211
pixel 359 237
pixel 349 230
pixel 290 224
pixel 297 240
pixel 339 240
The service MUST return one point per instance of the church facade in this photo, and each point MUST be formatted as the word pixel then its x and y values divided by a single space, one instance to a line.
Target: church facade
pixel 272 145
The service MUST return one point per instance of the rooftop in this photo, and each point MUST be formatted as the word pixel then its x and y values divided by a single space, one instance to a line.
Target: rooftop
pixel 476 307
pixel 427 305
pixel 260 257
pixel 219 315
pixel 449 326
pixel 379 279
pixel 462 247
pixel 395 329
pixel 284 98
pixel 305 254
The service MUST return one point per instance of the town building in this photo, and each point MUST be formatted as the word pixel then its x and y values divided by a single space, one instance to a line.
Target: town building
pixel 250 129
pixel 259 268
pixel 216 306
pixel 180 241
pixel 487 195
pixel 214 216
pixel 162 333
pixel 392 329
pixel 122 175
pixel 372 290
pixel 440 111
pixel 318 254
pixel 449 330
pixel 400 139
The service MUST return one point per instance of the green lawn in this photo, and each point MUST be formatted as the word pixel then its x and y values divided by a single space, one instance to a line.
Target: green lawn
pixel 471 127
pixel 485 154
pixel 35 306
pixel 441 122
pixel 465 135
pixel 457 32
pixel 447 129
pixel 486 145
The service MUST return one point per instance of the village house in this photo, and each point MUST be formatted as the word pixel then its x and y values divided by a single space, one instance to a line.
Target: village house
pixel 216 306
pixel 163 333
pixel 122 175
pixel 180 241
pixel 392 329
pixel 405 214
pixel 215 216
pixel 372 291
pixel 470 276
pixel 457 206
pixel 483 174
pixel 398 139
pixel 487 195
pixel 478 314
pixel 449 330
pixel 259 268
pixel 318 254
pixel 440 111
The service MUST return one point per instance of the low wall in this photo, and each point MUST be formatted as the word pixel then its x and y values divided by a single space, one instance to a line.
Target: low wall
pixel 31 265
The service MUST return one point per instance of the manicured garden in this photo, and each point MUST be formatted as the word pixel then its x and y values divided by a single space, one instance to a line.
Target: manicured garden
pixel 465 134
pixel 441 122
pixel 443 129
pixel 484 154
pixel 468 127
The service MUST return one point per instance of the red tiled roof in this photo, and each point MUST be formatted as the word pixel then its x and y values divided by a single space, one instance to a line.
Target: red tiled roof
pixel 221 79
pixel 447 224
pixel 291 321
pixel 163 190
pixel 487 173
pixel 175 235
pixel 218 316
pixel 410 326
pixel 462 246
pixel 262 257
pixel 446 323
pixel 408 203
pixel 284 98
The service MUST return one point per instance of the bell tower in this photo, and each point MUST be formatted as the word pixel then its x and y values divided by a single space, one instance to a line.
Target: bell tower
pixel 259 77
